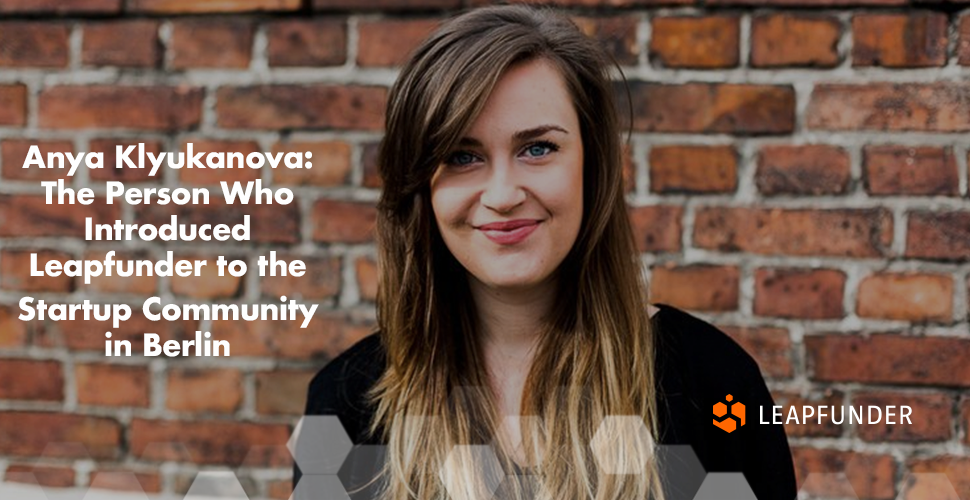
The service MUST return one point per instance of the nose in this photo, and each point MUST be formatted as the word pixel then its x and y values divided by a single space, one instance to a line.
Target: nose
pixel 503 191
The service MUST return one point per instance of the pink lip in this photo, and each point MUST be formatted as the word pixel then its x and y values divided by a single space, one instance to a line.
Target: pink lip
pixel 509 232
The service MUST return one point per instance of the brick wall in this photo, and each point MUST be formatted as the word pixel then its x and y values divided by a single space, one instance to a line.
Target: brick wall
pixel 797 175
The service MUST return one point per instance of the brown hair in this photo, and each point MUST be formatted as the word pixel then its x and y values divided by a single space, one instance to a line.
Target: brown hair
pixel 595 356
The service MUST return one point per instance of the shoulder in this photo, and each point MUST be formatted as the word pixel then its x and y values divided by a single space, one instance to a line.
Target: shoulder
pixel 340 386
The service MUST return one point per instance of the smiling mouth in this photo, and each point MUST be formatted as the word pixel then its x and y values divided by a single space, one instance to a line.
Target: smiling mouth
pixel 509 233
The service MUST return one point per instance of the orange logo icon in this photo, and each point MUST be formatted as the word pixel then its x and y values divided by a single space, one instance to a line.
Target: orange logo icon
pixel 732 421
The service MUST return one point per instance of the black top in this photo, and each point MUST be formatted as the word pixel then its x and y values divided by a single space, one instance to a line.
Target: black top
pixel 698 366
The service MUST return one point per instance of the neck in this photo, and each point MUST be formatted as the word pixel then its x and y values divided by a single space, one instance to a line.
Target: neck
pixel 511 319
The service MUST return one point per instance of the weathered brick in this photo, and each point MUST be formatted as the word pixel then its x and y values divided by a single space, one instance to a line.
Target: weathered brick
pixel 52 476
pixel 131 285
pixel 784 39
pixel 210 6
pixel 108 106
pixel 29 434
pixel 711 108
pixel 385 4
pixel 938 235
pixel 677 286
pixel 965 418
pixel 302 106
pixel 902 170
pixel 282 392
pixel 770 347
pixel 366 271
pixel 916 297
pixel 910 40
pixel 928 472
pixel 15 154
pixel 31 380
pixel 617 34
pixel 774 231
pixel 317 42
pixel 695 42
pixel 343 221
pixel 963 46
pixel 33 44
pixel 120 479
pixel 938 107
pixel 813 169
pixel 330 163
pixel 207 284
pixel 210 442
pixel 129 385
pixel 869 476
pixel 321 279
pixel 693 169
pixel 210 176
pixel 815 426
pixel 13 331
pixel 388 42
pixel 326 336
pixel 799 293
pixel 368 159
pixel 204 390
pixel 279 490
pixel 657 228
pixel 13 105
pixel 889 359
pixel 930 417
pixel 15 271
pixel 24 216
pixel 268 223
pixel 129 43
pixel 208 43
pixel 125 174
pixel 60 7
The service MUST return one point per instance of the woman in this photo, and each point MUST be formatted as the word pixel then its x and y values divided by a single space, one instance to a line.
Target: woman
pixel 509 285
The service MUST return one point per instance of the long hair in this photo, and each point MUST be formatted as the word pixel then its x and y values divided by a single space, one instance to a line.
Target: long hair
pixel 594 359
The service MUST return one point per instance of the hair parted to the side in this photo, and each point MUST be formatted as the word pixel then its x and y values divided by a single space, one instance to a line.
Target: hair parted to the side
pixel 595 354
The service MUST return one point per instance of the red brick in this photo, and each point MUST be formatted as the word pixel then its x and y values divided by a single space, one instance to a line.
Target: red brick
pixel 206 43
pixel 52 476
pixel 15 272
pixel 129 43
pixel 302 106
pixel 31 380
pixel 343 221
pixel 963 46
pixel 13 331
pixel 197 390
pixel 15 154
pixel 209 442
pixel 939 107
pixel 889 359
pixel 330 163
pixel 118 479
pixel 279 490
pixel 88 335
pixel 131 285
pixel 930 417
pixel 901 170
pixel 813 426
pixel 388 42
pixel 325 337
pixel 196 176
pixel 368 159
pixel 813 169
pixel 906 296
pixel 693 169
pixel 677 286
pixel 108 106
pixel 110 173
pixel 869 476
pixel 784 39
pixel 208 284
pixel 317 42
pixel 385 4
pixel 799 293
pixel 770 347
pixel 129 385
pixel 774 231
pixel 209 6
pixel 60 6
pixel 965 418
pixel 617 34
pixel 366 270
pixel 33 44
pixel 267 223
pixel 712 108
pixel 938 235
pixel 657 228
pixel 29 434
pixel 282 392
pixel 320 281
pixel 24 216
pixel 13 105
pixel 910 40
pixel 695 42
pixel 924 484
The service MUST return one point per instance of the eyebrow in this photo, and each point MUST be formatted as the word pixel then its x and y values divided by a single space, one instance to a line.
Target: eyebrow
pixel 522 135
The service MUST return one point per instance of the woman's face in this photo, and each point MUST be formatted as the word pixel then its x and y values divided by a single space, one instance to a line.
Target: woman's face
pixel 508 200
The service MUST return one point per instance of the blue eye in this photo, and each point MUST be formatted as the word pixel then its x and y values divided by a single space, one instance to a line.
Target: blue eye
pixel 541 148
pixel 460 159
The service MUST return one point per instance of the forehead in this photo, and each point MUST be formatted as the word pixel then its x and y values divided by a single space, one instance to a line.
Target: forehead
pixel 527 95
